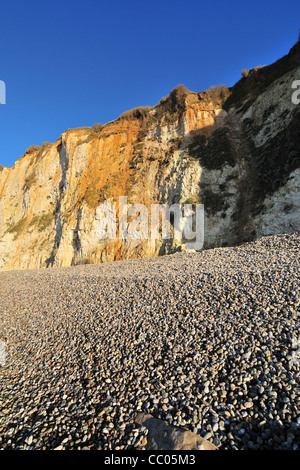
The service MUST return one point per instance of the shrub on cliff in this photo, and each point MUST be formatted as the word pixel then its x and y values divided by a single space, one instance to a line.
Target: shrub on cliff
pixel 97 127
pixel 136 113
pixel 170 107
pixel 32 148
pixel 175 101
pixel 178 94
pixel 217 94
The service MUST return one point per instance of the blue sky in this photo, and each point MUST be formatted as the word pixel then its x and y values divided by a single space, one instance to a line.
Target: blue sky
pixel 72 63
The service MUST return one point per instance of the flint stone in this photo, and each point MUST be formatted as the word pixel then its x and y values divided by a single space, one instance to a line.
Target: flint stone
pixel 162 436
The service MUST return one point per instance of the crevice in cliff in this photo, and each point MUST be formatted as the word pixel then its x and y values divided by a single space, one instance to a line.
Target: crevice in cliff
pixel 64 163
pixel 76 239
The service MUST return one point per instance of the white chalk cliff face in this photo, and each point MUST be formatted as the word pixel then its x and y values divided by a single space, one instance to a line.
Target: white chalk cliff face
pixel 238 155
pixel 277 120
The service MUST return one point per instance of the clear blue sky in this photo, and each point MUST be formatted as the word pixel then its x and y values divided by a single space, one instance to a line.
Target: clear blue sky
pixel 71 63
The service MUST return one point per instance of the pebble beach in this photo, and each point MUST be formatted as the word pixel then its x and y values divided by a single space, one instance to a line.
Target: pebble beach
pixel 205 341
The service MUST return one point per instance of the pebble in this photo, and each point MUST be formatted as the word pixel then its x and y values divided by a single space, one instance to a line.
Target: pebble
pixel 248 404
pixel 215 427
pixel 29 440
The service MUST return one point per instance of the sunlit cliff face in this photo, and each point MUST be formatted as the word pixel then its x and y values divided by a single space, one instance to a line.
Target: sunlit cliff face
pixel 242 164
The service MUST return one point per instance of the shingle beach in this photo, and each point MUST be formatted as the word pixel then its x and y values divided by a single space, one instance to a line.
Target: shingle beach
pixel 207 341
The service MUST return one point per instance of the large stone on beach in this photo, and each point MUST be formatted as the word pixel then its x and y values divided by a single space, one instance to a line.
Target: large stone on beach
pixel 162 436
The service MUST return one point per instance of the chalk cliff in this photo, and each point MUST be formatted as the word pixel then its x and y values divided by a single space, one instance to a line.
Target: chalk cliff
pixel 236 151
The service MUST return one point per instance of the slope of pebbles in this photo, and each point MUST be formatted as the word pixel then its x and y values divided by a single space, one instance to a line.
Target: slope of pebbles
pixel 202 340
